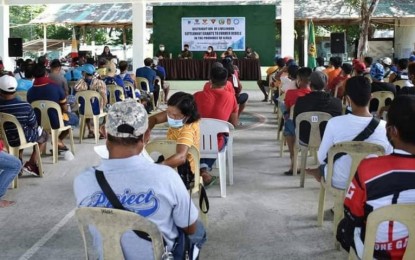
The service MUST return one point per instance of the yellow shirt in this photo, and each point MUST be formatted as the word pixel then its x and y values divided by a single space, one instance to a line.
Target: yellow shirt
pixel 188 135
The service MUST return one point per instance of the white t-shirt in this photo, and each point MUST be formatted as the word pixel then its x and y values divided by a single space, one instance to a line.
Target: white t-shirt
pixel 287 84
pixel 346 128
pixel 151 190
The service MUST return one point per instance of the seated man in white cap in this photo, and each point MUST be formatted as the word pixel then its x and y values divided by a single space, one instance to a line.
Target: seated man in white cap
pixel 26 116
pixel 131 177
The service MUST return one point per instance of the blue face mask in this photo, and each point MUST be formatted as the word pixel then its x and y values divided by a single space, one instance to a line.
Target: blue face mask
pixel 174 123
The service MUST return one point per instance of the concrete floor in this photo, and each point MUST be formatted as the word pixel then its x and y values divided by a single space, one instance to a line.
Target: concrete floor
pixel 264 216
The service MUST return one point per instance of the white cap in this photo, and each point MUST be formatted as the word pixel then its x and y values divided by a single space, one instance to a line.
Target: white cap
pixel 387 61
pixel 8 83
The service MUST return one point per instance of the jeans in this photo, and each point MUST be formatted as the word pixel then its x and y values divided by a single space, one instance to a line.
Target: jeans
pixel 73 120
pixel 197 239
pixel 10 167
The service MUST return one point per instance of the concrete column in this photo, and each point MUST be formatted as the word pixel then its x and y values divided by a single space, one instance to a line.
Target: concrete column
pixel 5 33
pixel 45 38
pixel 139 33
pixel 287 28
pixel 305 43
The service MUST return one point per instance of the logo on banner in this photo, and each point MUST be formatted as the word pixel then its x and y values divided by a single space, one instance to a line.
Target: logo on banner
pixel 197 21
pixel 235 21
pixel 213 21
pixel 222 21
pixel 205 21
pixel 228 21
pixel 189 22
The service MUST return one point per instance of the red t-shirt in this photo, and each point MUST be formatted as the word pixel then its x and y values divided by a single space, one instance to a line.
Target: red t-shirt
pixel 228 87
pixel 292 95
pixel 216 103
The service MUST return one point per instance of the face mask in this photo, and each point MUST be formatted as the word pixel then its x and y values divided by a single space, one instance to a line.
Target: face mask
pixel 161 48
pixel 174 123
pixel 209 50
pixel 186 49
pixel 155 62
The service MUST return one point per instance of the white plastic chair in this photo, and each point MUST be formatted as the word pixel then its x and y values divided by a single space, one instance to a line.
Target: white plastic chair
pixel 44 106
pixel 168 148
pixel 282 143
pixel 382 97
pixel 112 224
pixel 403 213
pixel 130 87
pixel 142 80
pixel 315 119
pixel 88 97
pixel 22 95
pixel 14 150
pixel 113 89
pixel 357 151
pixel 209 129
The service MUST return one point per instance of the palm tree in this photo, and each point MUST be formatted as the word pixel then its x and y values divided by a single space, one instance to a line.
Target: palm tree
pixel 367 8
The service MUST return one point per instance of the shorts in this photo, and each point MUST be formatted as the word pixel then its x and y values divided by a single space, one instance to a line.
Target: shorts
pixel 289 128
pixel 242 98
pixel 43 137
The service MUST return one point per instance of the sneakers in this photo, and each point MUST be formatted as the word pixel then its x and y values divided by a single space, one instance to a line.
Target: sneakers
pixel 31 169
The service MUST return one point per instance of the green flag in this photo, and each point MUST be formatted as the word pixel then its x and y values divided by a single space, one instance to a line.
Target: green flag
pixel 312 50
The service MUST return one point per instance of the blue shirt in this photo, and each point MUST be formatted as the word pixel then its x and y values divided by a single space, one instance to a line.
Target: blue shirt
pixel 148 73
pixel 48 91
pixel 24 84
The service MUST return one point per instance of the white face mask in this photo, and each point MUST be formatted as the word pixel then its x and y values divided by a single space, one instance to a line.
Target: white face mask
pixel 174 123
pixel 209 50
pixel 161 48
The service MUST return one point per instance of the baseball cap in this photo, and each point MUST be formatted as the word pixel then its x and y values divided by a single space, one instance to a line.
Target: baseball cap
pixel 88 68
pixel 387 61
pixel 127 118
pixel 8 83
pixel 318 80
pixel 411 58
pixel 359 66
pixel 377 71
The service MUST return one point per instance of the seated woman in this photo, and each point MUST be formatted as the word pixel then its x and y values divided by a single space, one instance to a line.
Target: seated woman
pixel 209 54
pixel 183 119
pixel 233 77
pixel 229 53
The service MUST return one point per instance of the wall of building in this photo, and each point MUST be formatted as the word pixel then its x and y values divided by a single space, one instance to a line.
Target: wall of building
pixel 404 37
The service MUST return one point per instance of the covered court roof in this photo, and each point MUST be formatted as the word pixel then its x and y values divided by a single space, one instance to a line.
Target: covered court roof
pixel 120 14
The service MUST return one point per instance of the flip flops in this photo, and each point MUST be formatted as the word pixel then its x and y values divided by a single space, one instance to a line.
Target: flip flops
pixel 212 181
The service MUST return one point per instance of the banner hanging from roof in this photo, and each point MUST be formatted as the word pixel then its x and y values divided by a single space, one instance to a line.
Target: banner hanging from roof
pixel 219 32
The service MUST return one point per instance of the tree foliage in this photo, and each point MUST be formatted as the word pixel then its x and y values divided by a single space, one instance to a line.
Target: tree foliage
pixel 366 8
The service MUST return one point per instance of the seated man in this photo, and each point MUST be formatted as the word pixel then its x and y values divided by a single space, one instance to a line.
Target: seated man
pixel 74 74
pixel 45 89
pixel 303 82
pixel 10 167
pixel 316 100
pixel 89 82
pixel 26 116
pixel 340 81
pixel 148 73
pixel 207 101
pixel 377 74
pixel 383 181
pixel 26 82
pixel 346 128
pixel 124 76
pixel 186 53
pixel 264 84
pixel 131 177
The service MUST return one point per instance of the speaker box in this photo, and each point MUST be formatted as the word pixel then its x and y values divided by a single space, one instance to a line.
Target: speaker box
pixel 338 42
pixel 15 47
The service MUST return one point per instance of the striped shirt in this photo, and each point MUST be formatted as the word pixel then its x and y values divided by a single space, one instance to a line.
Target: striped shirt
pixel 26 117
pixel 188 135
